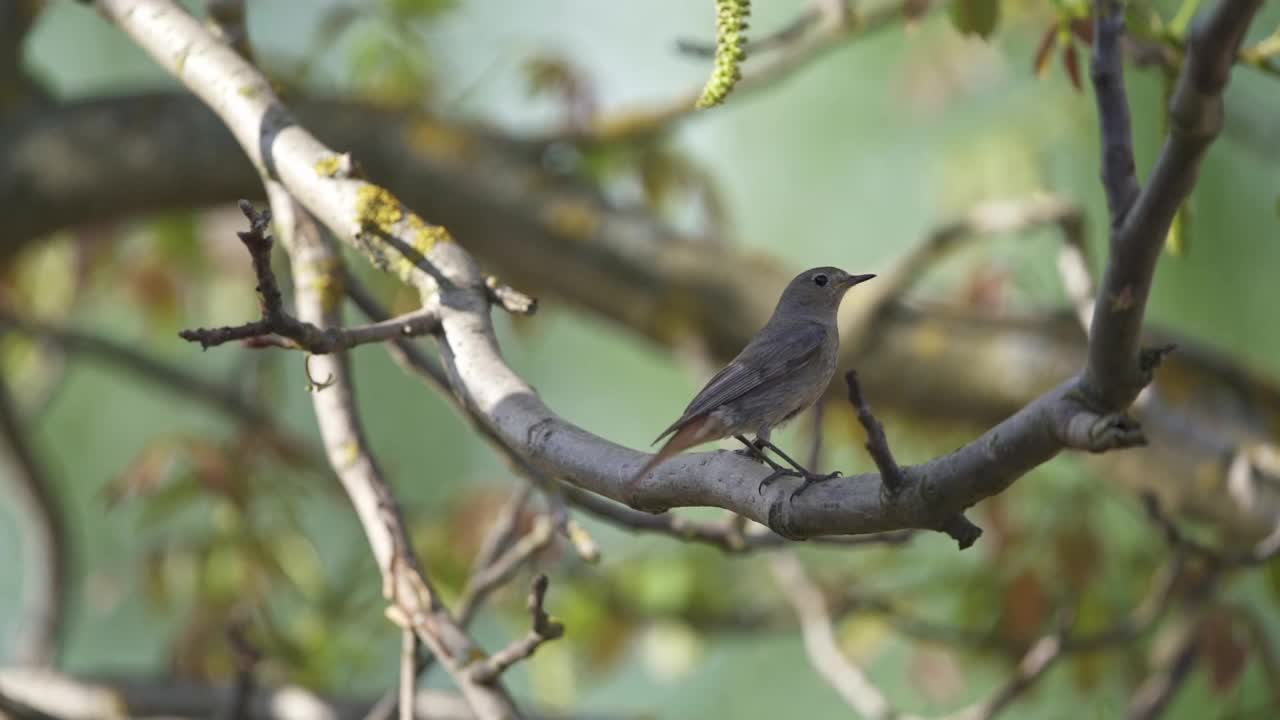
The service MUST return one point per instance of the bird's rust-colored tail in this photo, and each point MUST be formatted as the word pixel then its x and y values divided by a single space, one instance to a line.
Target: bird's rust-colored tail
pixel 698 430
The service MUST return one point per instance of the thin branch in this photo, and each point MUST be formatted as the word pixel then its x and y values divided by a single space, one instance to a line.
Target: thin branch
pixel 154 371
pixel 498 571
pixel 45 542
pixel 544 629
pixel 844 677
pixel 276 321
pixel 1119 176
pixel 877 443
pixel 502 531
pixel 964 532
pixel 1039 659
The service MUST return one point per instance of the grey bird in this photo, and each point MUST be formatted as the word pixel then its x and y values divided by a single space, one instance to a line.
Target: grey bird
pixel 784 369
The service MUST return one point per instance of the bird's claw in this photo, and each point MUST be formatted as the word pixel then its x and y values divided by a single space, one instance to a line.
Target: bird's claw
pixel 813 479
pixel 780 472
pixel 808 479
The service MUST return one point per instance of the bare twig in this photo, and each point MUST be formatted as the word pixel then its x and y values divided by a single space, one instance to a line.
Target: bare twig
pixel 154 371
pixel 500 569
pixel 502 531
pixel 964 532
pixel 275 321
pixel 844 677
pixel 1119 176
pixel 877 444
pixel 544 629
pixel 46 555
pixel 1043 655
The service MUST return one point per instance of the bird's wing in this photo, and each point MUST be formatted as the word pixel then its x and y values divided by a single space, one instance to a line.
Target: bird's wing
pixel 759 363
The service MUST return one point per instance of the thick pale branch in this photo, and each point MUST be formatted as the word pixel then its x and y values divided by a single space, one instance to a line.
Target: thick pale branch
pixel 315 264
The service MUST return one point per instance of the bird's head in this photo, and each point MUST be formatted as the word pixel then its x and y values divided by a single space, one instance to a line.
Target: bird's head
pixel 818 291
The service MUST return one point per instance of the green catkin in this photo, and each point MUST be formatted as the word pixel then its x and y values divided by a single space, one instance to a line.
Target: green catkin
pixel 731 40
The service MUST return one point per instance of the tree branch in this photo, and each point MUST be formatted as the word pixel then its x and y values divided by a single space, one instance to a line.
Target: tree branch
pixel 1153 696
pixel 315 340
pixel 544 629
pixel 1114 373
pixel 62 696
pixel 417 605
pixel 844 677
pixel 45 542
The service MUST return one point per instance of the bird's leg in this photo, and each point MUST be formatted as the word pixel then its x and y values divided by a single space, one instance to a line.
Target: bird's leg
pixel 755 451
pixel 800 471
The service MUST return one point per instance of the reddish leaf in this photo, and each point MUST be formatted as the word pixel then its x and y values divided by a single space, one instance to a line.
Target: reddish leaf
pixel 1082 29
pixel 1226 654
pixel 1025 609
pixel 1077 551
pixel 1071 62
pixel 1041 63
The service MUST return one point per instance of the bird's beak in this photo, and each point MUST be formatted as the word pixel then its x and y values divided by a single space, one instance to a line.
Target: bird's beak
pixel 857 279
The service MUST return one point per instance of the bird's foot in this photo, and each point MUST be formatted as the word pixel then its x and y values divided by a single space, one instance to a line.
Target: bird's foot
pixel 808 479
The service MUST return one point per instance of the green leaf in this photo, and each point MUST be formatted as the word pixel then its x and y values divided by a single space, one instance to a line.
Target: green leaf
pixel 975 17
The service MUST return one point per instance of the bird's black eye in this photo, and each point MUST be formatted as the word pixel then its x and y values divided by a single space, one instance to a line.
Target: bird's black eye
pixel 819 280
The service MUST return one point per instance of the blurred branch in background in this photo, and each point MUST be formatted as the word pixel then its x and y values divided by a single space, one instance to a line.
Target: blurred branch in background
pixel 820 28
pixel 62 696
pixel 17 87
pixel 46 551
